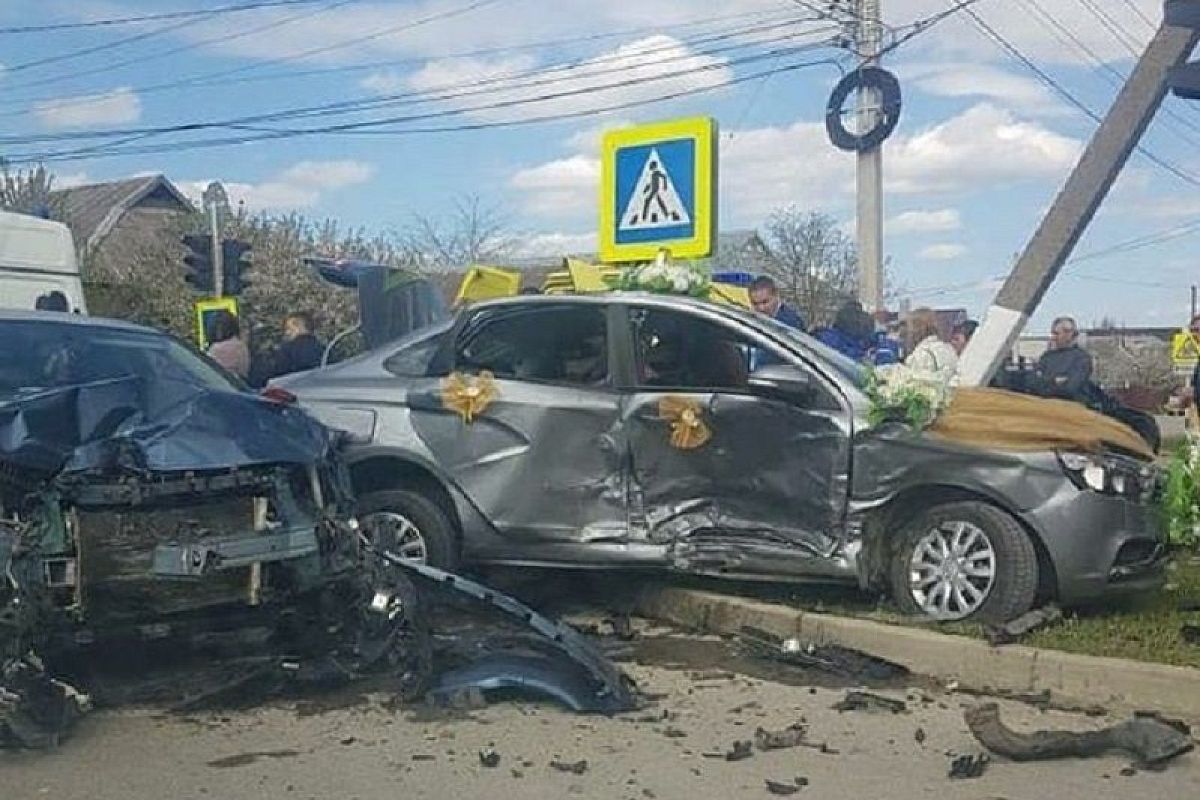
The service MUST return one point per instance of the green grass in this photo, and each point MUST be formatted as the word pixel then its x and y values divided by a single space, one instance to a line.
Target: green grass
pixel 1144 629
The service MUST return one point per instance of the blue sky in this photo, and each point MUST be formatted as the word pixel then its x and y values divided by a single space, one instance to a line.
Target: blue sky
pixel 980 151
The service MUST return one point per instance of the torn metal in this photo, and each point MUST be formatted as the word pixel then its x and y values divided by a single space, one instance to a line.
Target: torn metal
pixel 1023 625
pixel 1148 738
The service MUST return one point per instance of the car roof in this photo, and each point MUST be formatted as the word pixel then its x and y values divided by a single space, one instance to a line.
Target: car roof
pixel 80 320
pixel 608 298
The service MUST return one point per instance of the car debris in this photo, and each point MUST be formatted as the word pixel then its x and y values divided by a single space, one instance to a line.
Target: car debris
pixel 833 659
pixel 855 700
pixel 968 766
pixel 740 751
pixel 783 789
pixel 791 736
pixel 573 767
pixel 489 758
pixel 1153 740
pixel 1016 629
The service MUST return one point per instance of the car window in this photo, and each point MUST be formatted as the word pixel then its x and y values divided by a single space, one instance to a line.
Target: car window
pixel 413 359
pixel 680 351
pixel 39 355
pixel 544 343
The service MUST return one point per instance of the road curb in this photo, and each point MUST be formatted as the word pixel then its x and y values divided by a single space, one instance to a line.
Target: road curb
pixel 1114 683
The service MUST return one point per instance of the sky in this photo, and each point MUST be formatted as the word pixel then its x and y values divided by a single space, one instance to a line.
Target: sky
pixel 465 87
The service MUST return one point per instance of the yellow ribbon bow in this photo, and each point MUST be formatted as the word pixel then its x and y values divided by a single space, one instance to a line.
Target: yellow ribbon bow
pixel 688 429
pixel 468 395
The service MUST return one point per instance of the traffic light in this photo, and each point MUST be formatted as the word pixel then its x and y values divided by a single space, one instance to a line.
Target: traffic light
pixel 199 273
pixel 234 266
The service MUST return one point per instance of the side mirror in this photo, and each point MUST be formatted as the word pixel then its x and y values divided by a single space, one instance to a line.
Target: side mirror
pixel 782 380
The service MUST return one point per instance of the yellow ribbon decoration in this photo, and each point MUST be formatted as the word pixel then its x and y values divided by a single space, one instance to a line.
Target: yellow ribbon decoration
pixel 468 395
pixel 688 429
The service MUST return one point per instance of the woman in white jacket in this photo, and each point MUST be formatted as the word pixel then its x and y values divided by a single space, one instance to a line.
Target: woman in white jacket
pixel 927 353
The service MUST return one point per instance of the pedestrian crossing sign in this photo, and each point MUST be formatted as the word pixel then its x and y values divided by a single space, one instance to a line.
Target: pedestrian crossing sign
pixel 658 186
pixel 1185 349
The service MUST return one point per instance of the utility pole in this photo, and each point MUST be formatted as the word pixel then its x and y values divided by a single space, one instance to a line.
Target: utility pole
pixel 215 203
pixel 1193 316
pixel 1081 195
pixel 868 39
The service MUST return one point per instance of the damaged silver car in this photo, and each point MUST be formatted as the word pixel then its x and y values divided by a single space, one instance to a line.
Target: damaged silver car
pixel 628 429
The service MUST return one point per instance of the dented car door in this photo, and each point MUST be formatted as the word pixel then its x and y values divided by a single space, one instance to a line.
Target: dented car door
pixel 734 481
pixel 540 461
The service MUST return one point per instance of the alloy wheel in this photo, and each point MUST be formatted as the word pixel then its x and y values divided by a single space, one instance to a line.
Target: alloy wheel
pixel 395 533
pixel 952 570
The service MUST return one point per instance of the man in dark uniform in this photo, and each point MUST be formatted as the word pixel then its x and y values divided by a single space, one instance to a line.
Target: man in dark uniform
pixel 1065 370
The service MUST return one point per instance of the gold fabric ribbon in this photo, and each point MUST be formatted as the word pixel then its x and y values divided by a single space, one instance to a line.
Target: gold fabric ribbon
pixel 688 429
pixel 468 395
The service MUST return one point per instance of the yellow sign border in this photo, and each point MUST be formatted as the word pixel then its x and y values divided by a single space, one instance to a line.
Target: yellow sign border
pixel 206 305
pixel 701 129
pixel 1180 343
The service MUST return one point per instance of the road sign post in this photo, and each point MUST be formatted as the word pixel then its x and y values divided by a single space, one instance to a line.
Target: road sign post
pixel 658 189
pixel 205 310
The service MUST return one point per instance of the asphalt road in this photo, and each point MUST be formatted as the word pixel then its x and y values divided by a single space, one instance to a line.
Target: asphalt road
pixel 350 745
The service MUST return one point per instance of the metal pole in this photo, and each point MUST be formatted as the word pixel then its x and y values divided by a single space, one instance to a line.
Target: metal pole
pixel 1193 316
pixel 869 173
pixel 215 201
pixel 1076 204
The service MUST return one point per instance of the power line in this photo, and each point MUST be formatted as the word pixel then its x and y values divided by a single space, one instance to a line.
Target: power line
pixel 922 25
pixel 1041 74
pixel 104 23
pixel 285 134
pixel 1111 26
pixel 1139 14
pixel 218 78
pixel 199 43
pixel 502 83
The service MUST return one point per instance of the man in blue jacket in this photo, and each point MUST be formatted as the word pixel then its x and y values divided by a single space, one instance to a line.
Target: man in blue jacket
pixel 764 297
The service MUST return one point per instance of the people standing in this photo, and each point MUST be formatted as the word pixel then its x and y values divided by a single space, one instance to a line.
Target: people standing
pixel 765 299
pixel 300 349
pixel 852 332
pixel 927 353
pixel 960 335
pixel 227 348
pixel 1065 370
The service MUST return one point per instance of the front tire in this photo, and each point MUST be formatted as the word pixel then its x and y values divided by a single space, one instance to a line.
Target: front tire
pixel 965 560
pixel 411 526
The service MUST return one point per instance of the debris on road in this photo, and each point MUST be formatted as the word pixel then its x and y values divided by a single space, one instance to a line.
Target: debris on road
pixel 1014 630
pixel 831 659
pixel 869 701
pixel 968 766
pixel 791 736
pixel 1151 739
pixel 573 767
pixel 36 711
pixel 919 736
pixel 489 758
pixel 784 789
pixel 741 750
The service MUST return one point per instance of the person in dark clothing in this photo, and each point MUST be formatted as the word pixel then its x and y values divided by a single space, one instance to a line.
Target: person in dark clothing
pixel 300 349
pixel 764 297
pixel 852 332
pixel 52 301
pixel 1065 370
pixel 960 334
pixel 1194 330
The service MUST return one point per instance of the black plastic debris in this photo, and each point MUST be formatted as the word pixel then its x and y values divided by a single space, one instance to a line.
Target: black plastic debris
pixel 573 767
pixel 968 766
pixel 791 736
pixel 1148 737
pixel 831 659
pixel 36 711
pixel 919 736
pixel 784 789
pixel 869 701
pixel 489 758
pixel 1014 630
pixel 741 750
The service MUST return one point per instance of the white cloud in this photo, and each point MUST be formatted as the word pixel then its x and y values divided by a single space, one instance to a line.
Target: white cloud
pixel 945 219
pixel 120 106
pixel 301 185
pixel 980 148
pixel 556 245
pixel 560 188
pixel 942 252
pixel 980 80
pixel 71 179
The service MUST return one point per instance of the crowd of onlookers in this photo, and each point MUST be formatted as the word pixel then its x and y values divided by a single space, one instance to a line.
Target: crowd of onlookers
pixel 298 350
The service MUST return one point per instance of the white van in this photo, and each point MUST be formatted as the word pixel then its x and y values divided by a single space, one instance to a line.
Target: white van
pixel 37 256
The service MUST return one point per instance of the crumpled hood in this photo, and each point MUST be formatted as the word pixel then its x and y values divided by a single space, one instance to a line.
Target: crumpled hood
pixel 167 426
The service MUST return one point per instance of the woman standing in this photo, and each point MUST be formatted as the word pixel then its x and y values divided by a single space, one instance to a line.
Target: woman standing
pixel 227 348
pixel 927 353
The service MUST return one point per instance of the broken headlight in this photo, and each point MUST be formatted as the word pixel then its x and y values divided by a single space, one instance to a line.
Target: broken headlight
pixel 1110 475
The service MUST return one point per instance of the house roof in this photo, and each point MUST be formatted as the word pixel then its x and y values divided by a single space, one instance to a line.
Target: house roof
pixel 94 209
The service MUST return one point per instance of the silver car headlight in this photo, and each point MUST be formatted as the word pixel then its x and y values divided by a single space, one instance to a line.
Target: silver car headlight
pixel 1110 475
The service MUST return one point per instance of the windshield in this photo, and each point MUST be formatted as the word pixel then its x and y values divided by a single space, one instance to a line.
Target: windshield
pixel 848 368
pixel 46 355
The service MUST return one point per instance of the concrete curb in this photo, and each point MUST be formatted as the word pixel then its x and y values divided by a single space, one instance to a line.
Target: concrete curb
pixel 1114 683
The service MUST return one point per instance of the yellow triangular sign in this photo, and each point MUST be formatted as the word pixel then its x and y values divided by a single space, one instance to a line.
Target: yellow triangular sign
pixel 1185 348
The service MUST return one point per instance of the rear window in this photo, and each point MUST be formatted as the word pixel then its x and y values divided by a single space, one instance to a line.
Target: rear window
pixel 42 355
pixel 412 360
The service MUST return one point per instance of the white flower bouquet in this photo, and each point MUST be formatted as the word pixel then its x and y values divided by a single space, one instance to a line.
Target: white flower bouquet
pixel 665 277
pixel 1180 501
pixel 900 393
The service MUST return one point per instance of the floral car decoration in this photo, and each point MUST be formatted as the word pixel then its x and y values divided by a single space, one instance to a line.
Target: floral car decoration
pixel 900 393
pixel 1181 494
pixel 666 277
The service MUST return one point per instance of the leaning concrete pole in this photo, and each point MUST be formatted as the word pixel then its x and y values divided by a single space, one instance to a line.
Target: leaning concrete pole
pixel 1080 196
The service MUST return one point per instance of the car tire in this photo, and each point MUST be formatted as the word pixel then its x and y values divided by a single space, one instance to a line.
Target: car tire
pixel 393 511
pixel 989 541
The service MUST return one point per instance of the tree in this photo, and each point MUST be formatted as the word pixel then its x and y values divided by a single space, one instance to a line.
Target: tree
pixel 26 192
pixel 471 234
pixel 813 261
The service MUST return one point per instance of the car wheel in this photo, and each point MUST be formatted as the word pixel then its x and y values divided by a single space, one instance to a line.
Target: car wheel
pixel 410 525
pixel 966 560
